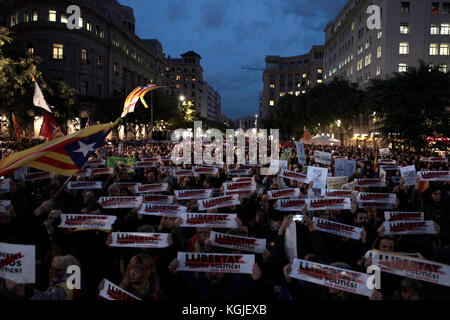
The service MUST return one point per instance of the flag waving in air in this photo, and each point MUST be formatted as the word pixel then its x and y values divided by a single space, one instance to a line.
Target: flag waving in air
pixel 65 155
pixel 306 134
pixel 134 96
pixel 38 98
pixel 50 129
pixel 16 128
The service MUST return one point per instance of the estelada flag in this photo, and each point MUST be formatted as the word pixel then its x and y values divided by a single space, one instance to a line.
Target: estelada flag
pixel 16 128
pixel 306 134
pixel 133 97
pixel 65 155
pixel 50 129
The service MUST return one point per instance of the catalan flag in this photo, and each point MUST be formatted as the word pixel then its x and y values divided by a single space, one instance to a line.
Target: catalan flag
pixel 306 134
pixel 134 96
pixel 65 155
pixel 16 128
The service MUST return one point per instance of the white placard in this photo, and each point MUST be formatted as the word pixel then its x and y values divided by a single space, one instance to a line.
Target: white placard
pixel 230 186
pixel 102 171
pixel 193 194
pixel 365 183
pixel 434 175
pixel 322 157
pixel 209 220
pixel 120 202
pixel 336 182
pixel 409 227
pixel 139 240
pixel 215 262
pixel 84 173
pixel 296 176
pixel 338 193
pixel 95 163
pixel 390 216
pixel 5 185
pixel 318 176
pixel 290 204
pixel 238 172
pixel 300 152
pixel 42 175
pixel 218 202
pixel 157 198
pixel 205 170
pixel 376 197
pixel 339 229
pixel 384 151
pixel 153 187
pixel 112 292
pixel 234 242
pixel 182 173
pixel 328 203
pixel 409 175
pixel 283 193
pixel 131 186
pixel 163 210
pixel 87 221
pixel 18 262
pixel 76 185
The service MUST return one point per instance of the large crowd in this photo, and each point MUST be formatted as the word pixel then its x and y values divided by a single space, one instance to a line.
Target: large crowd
pixel 151 273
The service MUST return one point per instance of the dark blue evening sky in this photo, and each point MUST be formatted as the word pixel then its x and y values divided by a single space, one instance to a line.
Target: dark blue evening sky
pixel 229 34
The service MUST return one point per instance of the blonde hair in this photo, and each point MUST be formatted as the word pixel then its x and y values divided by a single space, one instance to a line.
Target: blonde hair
pixel 145 264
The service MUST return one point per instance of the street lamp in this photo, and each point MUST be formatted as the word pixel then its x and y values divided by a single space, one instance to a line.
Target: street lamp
pixel 374 119
pixel 182 98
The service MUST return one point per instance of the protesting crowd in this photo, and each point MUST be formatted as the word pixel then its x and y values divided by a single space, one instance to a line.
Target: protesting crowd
pixel 139 227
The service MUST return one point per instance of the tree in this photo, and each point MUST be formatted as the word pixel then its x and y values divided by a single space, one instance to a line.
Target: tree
pixel 412 105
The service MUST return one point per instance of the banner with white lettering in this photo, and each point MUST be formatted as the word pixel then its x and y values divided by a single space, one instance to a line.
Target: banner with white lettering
pixel 332 277
pixel 234 242
pixel 322 157
pixel 112 292
pixel 193 194
pixel 296 176
pixel 139 240
pixel 218 202
pixel 18 262
pixel 153 187
pixel 76 185
pixel 120 202
pixel 434 175
pixel 365 183
pixel 87 221
pixel 340 229
pixel 376 197
pixel 411 267
pixel 209 220
pixel 318 176
pixel 300 152
pixel 215 262
pixel 162 210
pixel 390 216
pixel 409 227
pixel 328 203
pixel 283 193
pixel 290 204
pixel 157 198
pixel 409 175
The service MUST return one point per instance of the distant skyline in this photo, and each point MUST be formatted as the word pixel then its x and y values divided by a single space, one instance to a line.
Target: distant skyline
pixel 229 34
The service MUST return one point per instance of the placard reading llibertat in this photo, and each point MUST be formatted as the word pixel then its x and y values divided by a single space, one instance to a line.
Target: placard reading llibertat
pixel 340 229
pixel 163 210
pixel 215 262
pixel 218 202
pixel 112 292
pixel 390 216
pixel 283 193
pixel 193 194
pixel 290 204
pixel 409 227
pixel 139 240
pixel 209 220
pixel 120 202
pixel 77 185
pixel 231 241
pixel 87 221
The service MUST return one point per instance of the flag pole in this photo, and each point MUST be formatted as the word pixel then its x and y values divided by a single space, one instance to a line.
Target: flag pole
pixel 62 187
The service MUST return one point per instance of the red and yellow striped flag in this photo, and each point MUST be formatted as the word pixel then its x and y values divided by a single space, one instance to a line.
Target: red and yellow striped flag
pixel 134 96
pixel 65 155
pixel 306 134
pixel 16 128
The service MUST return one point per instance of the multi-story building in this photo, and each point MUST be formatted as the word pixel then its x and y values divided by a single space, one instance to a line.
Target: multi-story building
pixel 102 57
pixel 410 31
pixel 289 75
pixel 245 123
pixel 184 78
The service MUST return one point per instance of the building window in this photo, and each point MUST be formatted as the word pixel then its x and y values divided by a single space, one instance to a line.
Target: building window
pixel 52 15
pixel 403 48
pixel 272 86
pixel 433 49
pixel 58 51
pixel 446 8
pixel 84 88
pixel 379 52
pixel 443 50
pixel 63 18
pixel 89 25
pixel 177 86
pixel 380 34
pixel 102 33
pixel 282 94
pixel 30 48
pixel 434 29
pixel 297 93
pixel 445 28
pixel 178 78
pixel 319 81
pixel 319 70
pixel 84 56
pixel 435 8
pixel 35 16
pixel 116 68
pixel 353 26
pixel 271 103
pixel 26 17
pixel 404 28
pixel 368 59
pixel 99 62
pixel 402 67
pixel 80 22
pixel 405 7
pixel 443 68
pixel 304 75
pixel 378 71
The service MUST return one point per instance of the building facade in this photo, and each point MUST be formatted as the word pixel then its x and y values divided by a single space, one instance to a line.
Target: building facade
pixel 410 31
pixel 104 56
pixel 289 75
pixel 184 78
